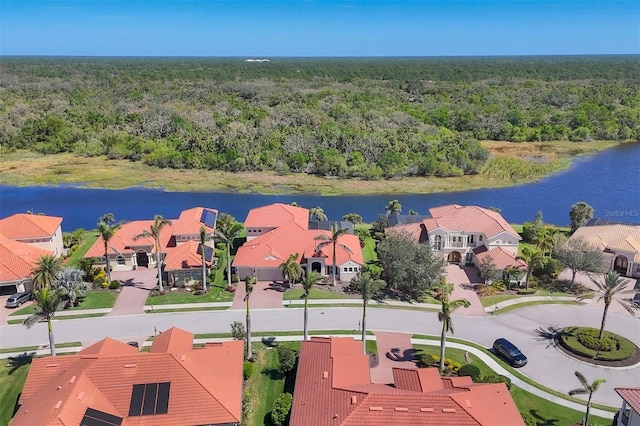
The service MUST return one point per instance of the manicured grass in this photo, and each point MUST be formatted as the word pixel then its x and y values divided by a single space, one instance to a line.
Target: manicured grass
pixel 492 300
pixel 277 333
pixel 158 309
pixel 522 245
pixel 11 382
pixel 533 303
pixel 263 387
pixel 96 299
pixel 568 339
pixel 34 348
pixel 217 293
pixel 316 293
pixel 90 237
pixel 60 317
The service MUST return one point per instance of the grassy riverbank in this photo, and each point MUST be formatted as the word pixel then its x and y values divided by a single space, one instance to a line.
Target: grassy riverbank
pixel 509 160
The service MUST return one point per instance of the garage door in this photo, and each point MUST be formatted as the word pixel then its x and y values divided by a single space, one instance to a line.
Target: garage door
pixel 8 289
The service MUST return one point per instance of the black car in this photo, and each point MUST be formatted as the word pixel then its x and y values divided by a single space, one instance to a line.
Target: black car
pixel 509 352
pixel 17 299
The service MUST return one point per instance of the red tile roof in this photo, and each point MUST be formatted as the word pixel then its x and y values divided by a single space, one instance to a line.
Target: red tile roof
pixel 22 225
pixel 275 215
pixel 183 256
pixel 123 242
pixel 206 383
pixel 18 259
pixel 502 258
pixel 189 222
pixel 454 217
pixel 632 396
pixel 331 389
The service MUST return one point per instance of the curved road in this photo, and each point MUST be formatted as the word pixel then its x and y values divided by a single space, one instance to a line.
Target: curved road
pixel 547 364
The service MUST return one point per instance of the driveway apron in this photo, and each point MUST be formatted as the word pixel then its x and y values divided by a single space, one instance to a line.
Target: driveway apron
pixel 394 351
pixel 265 295
pixel 462 278
pixel 134 291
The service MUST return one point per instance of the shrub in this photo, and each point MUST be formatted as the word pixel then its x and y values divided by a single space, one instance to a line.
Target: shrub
pixel 246 402
pixel 286 359
pixel 426 360
pixel 527 290
pixel 486 290
pixel 114 285
pixel 589 339
pixel 247 369
pixel 568 338
pixel 281 408
pixel 448 362
pixel 499 285
pixel 550 269
pixel 456 366
pixel 528 419
pixel 470 370
pixel 198 292
pixel 497 378
pixel 436 359
pixel 235 278
pixel 238 331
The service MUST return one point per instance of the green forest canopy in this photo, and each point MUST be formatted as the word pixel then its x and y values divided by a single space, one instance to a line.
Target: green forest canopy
pixel 367 118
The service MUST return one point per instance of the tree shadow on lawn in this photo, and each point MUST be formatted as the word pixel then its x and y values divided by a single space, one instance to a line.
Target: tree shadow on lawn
pixel 548 334
pixel 18 361
pixel 541 420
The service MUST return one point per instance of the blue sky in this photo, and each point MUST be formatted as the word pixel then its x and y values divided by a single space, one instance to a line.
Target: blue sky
pixel 264 28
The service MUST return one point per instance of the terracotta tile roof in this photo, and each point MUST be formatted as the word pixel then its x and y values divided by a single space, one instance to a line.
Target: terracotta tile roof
pixel 23 225
pixel 610 236
pixel 205 384
pixel 502 258
pixel 454 217
pixel 174 340
pixel 275 215
pixel 418 231
pixel 631 396
pixel 420 396
pixel 123 242
pixel 342 255
pixel 183 256
pixel 17 259
pixel 189 222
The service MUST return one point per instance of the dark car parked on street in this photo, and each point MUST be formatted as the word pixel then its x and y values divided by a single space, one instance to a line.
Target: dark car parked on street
pixel 17 299
pixel 509 352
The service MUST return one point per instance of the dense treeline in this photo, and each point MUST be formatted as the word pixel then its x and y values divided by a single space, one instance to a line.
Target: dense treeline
pixel 367 118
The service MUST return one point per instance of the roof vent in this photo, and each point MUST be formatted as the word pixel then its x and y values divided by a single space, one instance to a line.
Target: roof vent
pixel 58 404
pixel 80 395
pixel 73 379
pixel 183 357
pixel 130 366
pixel 354 399
pixel 401 409
pixel 426 410
pixel 448 410
pixel 325 374
pixel 59 387
pixel 375 408
pixel 51 365
pixel 466 401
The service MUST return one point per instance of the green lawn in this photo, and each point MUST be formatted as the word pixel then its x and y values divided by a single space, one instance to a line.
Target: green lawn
pixel 11 382
pixel 217 293
pixel 316 293
pixel 96 299
pixel 90 237
pixel 533 303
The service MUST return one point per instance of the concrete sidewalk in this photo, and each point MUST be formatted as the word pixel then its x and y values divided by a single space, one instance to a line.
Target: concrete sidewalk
pixel 526 299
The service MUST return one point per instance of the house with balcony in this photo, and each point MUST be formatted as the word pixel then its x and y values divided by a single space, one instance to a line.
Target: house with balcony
pixel 181 253
pixel 465 235
pixel 276 231
pixel 629 414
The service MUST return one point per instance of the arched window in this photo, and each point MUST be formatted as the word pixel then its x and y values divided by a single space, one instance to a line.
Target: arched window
pixel 437 244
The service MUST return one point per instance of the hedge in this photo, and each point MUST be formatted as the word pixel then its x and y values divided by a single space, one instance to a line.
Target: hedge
pixel 569 340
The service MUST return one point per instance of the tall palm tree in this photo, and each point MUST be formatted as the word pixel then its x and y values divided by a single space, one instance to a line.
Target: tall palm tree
pixel 107 228
pixel 318 214
pixel 159 222
pixel 586 389
pixel 613 288
pixel 511 271
pixel 545 240
pixel 369 287
pixel 249 283
pixel 394 208
pixel 533 258
pixel 444 316
pixel 336 233
pixel 291 269
pixel 204 237
pixel 46 270
pixel 70 287
pixel 308 282
pixel 227 235
pixel 47 302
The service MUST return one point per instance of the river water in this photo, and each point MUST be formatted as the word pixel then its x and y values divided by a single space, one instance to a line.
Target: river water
pixel 608 181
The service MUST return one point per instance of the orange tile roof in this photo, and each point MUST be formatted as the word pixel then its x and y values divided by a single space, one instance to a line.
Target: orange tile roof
pixel 189 222
pixel 275 215
pixel 417 231
pixel 23 225
pixel 632 396
pixel 454 217
pixel 420 396
pixel 184 255
pixel 18 259
pixel 502 258
pixel 206 383
pixel 123 241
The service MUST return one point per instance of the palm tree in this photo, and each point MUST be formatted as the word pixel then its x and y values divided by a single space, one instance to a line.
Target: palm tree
pixel 613 288
pixel 318 213
pixel 308 282
pixel 444 316
pixel 511 271
pixel 586 389
pixel 204 237
pixel 533 258
pixel 107 228
pixel 159 222
pixel 227 235
pixel 47 302
pixel 291 269
pixel 86 265
pixel 394 208
pixel 70 287
pixel 249 283
pixel 336 233
pixel 369 287
pixel 545 240
pixel 46 270
pixel 354 218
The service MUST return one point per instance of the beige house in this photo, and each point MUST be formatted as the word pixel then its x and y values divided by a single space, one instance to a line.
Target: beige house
pixel 619 243
pixel 41 231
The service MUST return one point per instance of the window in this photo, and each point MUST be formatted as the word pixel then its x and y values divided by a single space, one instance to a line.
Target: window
pixel 149 399
pixel 437 242
pixel 470 239
pixel 479 237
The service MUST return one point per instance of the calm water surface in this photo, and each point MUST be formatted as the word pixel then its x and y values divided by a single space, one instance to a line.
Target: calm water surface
pixel 609 182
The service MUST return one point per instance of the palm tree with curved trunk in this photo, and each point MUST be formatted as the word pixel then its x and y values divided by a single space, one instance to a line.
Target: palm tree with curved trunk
pixel 227 235
pixel 586 389
pixel 107 228
pixel 613 288
pixel 394 208
pixel 533 258
pixel 308 282
pixel 369 287
pixel 442 293
pixel 159 222
pixel 291 269
pixel 249 283
pixel 46 270
pixel 47 302
pixel 336 233
pixel 204 237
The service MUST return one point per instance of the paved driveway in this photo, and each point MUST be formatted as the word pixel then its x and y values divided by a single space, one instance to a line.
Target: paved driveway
pixel 135 290
pixel 5 312
pixel 462 277
pixel 265 295
pixel 394 350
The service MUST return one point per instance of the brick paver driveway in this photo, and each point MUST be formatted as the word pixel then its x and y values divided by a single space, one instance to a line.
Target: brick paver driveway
pixel 265 295
pixel 394 350
pixel 135 290
pixel 462 278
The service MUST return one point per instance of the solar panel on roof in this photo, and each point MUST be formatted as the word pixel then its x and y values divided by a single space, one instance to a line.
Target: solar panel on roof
pixel 162 405
pixel 99 418
pixel 208 252
pixel 150 397
pixel 208 218
pixel 135 408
